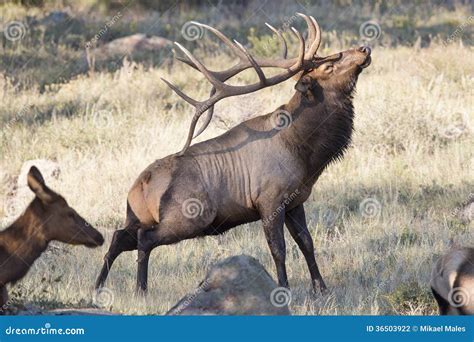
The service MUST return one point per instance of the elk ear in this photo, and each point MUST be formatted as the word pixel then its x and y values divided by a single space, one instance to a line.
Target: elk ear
pixel 304 84
pixel 38 186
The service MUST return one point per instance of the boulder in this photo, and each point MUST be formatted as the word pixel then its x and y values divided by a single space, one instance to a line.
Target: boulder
pixel 238 285
pixel 79 312
pixel 132 45
pixel 466 214
pixel 19 197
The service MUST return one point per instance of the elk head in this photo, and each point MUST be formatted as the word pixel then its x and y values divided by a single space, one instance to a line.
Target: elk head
pixel 338 71
pixel 58 220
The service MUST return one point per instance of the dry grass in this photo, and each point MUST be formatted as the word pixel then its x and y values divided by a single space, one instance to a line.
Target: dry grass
pixel 104 129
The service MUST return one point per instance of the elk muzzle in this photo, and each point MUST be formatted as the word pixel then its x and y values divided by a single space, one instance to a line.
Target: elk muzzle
pixel 367 51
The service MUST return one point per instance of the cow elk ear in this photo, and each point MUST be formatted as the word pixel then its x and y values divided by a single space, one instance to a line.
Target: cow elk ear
pixel 304 84
pixel 38 186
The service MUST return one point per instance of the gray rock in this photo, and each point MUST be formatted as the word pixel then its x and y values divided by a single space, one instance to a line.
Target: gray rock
pixel 55 18
pixel 466 213
pixel 35 311
pixel 238 285
pixel 19 197
pixel 133 45
pixel 79 312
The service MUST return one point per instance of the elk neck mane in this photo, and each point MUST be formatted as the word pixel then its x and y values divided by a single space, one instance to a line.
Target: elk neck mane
pixel 322 126
pixel 27 227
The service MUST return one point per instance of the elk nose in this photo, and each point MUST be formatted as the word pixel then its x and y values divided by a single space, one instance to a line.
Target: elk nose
pixel 365 49
pixel 100 240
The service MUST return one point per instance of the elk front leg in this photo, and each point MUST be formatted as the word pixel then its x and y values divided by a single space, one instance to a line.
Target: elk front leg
pixel 123 240
pixel 273 221
pixel 295 221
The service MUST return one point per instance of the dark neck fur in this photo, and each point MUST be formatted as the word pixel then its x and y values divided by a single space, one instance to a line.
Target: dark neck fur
pixel 26 234
pixel 321 129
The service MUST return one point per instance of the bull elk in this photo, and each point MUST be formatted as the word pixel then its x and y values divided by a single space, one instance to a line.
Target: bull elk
pixel 48 217
pixel 452 282
pixel 262 169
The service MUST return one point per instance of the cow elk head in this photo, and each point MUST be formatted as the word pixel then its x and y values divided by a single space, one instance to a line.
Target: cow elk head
pixel 58 220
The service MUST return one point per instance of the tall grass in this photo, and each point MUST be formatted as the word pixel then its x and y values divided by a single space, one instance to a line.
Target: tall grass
pixel 411 161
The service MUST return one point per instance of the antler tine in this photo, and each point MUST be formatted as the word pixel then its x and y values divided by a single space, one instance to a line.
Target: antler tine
pixel 311 28
pixel 208 117
pixel 221 90
pixel 301 55
pixel 282 40
pixel 209 75
pixel 224 39
pixel 252 61
pixel 180 93
pixel 186 61
pixel 317 39
pixel 312 34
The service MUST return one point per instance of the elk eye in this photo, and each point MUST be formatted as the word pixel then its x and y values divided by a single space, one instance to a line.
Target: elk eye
pixel 327 67
pixel 70 215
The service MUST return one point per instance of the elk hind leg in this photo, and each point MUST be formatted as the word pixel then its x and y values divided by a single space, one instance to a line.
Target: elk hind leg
pixel 122 241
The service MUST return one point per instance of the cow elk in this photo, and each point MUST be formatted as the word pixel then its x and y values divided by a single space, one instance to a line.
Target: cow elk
pixel 452 282
pixel 48 217
pixel 262 169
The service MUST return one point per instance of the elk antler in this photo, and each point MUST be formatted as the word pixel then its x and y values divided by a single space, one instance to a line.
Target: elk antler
pixel 220 90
